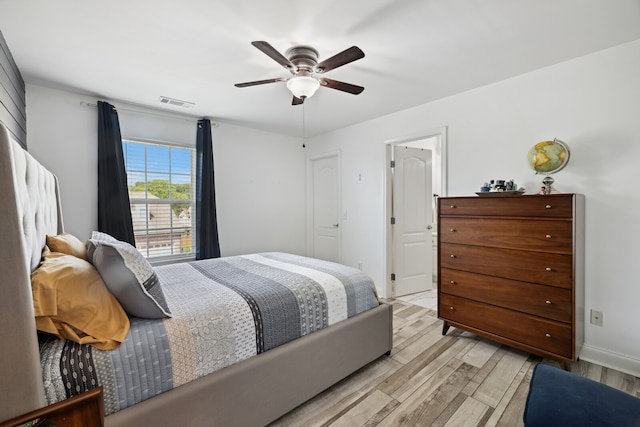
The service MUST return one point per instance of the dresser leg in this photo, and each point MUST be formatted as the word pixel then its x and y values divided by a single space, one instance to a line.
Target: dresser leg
pixel 565 366
pixel 445 328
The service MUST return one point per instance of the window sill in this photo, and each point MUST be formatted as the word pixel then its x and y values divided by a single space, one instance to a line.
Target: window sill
pixel 156 262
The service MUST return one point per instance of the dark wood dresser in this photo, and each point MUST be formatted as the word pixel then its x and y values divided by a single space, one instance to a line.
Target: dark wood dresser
pixel 511 269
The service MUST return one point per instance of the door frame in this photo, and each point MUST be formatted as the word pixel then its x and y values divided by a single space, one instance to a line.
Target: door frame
pixel 439 183
pixel 310 195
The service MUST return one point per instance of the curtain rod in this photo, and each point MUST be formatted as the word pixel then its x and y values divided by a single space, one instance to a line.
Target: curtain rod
pixel 169 115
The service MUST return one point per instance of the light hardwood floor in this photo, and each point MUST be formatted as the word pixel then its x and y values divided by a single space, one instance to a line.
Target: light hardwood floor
pixel 434 380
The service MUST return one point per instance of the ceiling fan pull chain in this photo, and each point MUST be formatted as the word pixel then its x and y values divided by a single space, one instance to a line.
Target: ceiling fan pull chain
pixel 303 128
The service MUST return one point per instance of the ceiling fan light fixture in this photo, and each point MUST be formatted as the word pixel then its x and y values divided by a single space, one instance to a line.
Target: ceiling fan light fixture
pixel 302 62
pixel 303 86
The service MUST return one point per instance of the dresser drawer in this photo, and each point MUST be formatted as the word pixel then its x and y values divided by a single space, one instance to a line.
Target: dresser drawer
pixel 559 206
pixel 535 235
pixel 537 267
pixel 547 335
pixel 540 300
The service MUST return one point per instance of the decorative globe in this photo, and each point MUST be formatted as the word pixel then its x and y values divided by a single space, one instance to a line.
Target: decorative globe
pixel 548 156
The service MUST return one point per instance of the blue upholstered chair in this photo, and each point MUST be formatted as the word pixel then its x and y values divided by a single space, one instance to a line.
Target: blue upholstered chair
pixel 560 398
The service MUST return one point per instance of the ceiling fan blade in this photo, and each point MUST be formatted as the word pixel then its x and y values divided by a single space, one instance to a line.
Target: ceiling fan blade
pixel 260 82
pixel 297 101
pixel 349 55
pixel 272 53
pixel 345 87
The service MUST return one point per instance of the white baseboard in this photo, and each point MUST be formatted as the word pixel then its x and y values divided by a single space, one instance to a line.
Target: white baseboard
pixel 609 359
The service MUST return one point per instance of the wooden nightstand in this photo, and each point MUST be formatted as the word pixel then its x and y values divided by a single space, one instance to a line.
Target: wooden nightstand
pixel 86 410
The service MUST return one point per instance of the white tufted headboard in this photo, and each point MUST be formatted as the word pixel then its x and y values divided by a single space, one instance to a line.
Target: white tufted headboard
pixel 29 210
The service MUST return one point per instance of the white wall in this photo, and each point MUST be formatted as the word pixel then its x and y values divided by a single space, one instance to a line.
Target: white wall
pixel 260 180
pixel 259 175
pixel 593 104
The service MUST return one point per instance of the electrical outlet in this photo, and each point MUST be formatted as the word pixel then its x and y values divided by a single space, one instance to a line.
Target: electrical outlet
pixel 596 317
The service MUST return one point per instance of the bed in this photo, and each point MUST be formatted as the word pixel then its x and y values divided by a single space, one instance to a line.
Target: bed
pixel 271 377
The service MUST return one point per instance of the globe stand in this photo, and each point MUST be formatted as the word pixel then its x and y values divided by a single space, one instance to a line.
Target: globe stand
pixel 548 157
pixel 548 185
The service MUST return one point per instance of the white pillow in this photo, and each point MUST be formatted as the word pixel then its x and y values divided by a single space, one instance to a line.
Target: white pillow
pixel 128 275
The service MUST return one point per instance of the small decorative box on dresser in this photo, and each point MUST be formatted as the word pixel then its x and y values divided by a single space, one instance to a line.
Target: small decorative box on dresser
pixel 511 269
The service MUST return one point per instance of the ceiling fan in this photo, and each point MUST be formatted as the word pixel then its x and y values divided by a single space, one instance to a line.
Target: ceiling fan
pixel 302 63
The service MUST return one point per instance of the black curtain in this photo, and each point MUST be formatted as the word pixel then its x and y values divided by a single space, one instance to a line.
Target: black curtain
pixel 114 210
pixel 207 244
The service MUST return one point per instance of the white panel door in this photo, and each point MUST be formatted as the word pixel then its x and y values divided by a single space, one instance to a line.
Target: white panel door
pixel 412 262
pixel 326 208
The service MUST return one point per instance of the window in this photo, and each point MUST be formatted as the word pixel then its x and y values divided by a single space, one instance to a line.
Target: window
pixel 161 182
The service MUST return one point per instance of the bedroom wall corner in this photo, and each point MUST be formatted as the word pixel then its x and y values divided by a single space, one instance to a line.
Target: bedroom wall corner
pixel 260 189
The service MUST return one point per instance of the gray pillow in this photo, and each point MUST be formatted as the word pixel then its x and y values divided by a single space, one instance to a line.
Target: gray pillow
pixel 128 275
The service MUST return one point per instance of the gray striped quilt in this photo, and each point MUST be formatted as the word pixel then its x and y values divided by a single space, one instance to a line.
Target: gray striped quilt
pixel 224 310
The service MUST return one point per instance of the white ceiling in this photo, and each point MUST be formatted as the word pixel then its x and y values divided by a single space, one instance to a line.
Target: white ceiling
pixel 195 50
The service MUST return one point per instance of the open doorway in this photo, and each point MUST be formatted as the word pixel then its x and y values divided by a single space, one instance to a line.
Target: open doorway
pixel 415 177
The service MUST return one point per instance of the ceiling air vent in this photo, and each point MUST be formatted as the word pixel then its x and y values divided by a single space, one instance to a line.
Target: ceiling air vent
pixel 176 102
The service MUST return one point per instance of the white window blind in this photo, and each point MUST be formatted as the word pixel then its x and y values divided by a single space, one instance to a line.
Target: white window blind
pixel 161 182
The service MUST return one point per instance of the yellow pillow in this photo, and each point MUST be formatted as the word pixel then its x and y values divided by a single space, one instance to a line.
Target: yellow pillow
pixel 67 244
pixel 71 301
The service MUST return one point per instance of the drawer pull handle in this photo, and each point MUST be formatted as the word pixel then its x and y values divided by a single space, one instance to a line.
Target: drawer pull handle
pixel 548 207
pixel 548 268
pixel 453 282
pixel 547 335
pixel 451 308
pixel 453 230
pixel 452 256
pixel 548 236
pixel 453 206
pixel 547 302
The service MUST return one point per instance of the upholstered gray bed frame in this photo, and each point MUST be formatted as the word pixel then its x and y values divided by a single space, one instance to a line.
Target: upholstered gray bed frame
pixel 251 393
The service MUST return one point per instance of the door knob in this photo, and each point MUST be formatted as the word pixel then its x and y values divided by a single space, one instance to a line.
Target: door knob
pixel 336 225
